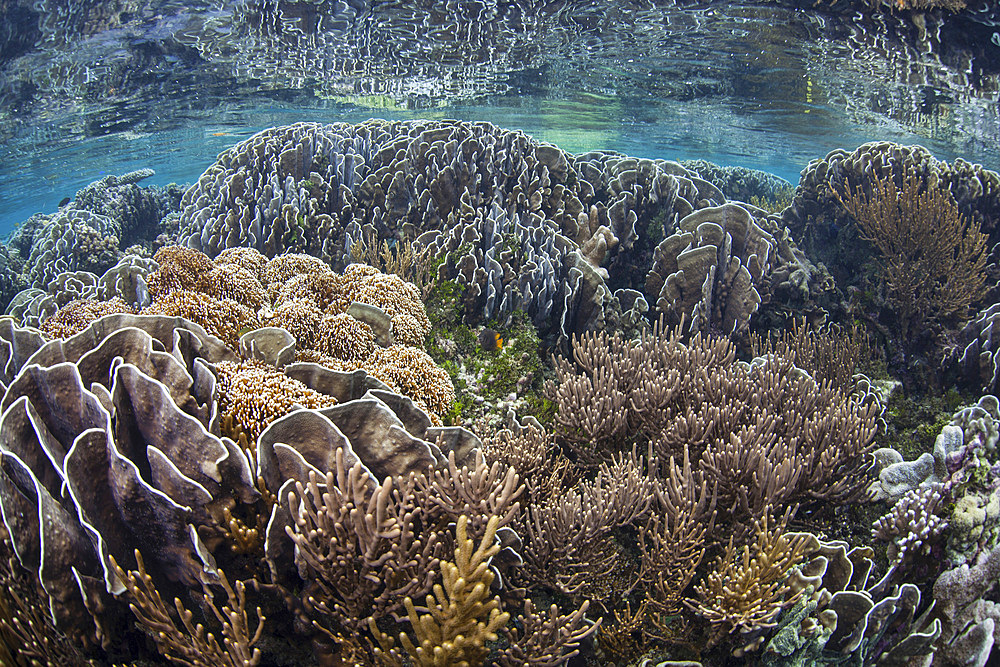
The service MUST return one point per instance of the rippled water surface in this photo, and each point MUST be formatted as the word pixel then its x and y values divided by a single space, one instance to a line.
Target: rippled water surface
pixel 95 88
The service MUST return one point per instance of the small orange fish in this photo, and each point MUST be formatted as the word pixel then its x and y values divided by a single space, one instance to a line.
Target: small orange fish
pixel 490 340
pixel 220 134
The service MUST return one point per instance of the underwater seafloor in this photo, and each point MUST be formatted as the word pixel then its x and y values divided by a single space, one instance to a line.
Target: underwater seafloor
pixel 436 392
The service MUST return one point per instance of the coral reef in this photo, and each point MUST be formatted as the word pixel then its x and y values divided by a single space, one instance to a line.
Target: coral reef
pixel 520 224
pixel 433 392
pixel 106 220
pixel 161 468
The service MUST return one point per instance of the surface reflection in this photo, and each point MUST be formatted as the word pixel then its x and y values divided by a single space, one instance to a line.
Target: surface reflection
pixel 770 81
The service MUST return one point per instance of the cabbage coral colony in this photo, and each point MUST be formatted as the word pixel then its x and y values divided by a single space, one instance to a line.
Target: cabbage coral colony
pixel 434 393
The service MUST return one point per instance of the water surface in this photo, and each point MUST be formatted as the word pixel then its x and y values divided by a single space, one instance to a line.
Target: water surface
pixel 93 89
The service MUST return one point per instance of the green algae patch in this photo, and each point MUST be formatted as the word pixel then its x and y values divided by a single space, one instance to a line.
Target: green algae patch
pixel 914 422
pixel 495 367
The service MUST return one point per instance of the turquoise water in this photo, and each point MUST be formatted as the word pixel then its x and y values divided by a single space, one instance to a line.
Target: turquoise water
pixel 761 85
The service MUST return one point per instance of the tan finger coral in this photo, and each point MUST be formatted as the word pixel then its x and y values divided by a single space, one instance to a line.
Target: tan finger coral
pixel 223 318
pixel 180 269
pixel 345 338
pixel 77 315
pixel 460 618
pixel 253 394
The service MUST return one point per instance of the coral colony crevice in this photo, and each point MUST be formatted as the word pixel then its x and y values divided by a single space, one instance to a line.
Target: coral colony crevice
pixel 436 393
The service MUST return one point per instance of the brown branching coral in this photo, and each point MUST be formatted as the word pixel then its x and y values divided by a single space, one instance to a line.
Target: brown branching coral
pixel 223 318
pixel 399 299
pixel 831 354
pixel 763 433
pixel 253 394
pixel 546 640
pixel 180 268
pixel 672 544
pixel 77 315
pixel 231 281
pixel 245 258
pixel 934 260
pixel 282 268
pixel 364 547
pixel 567 539
pixel 320 286
pixel 345 338
pixel 411 371
pixel 187 642
pixel 28 637
pixel 746 591
pixel 459 617
pixel 299 317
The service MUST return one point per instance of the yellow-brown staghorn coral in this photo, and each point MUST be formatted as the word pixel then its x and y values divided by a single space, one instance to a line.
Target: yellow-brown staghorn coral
pixel 188 642
pixel 934 259
pixel 77 315
pixel 283 267
pixel 320 288
pixel 460 617
pixel 410 261
pixel 253 394
pixel 224 318
pixel 747 590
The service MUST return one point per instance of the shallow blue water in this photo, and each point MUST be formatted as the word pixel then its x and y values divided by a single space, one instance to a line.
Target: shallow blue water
pixel 759 85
